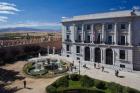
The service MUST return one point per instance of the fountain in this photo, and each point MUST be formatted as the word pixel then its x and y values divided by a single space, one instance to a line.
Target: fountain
pixel 46 64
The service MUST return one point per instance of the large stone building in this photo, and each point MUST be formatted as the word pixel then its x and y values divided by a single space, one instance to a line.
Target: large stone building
pixel 111 39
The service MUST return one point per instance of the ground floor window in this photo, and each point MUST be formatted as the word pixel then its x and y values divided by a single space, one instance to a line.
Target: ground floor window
pixel 68 48
pixel 77 49
pixel 78 58
pixel 122 54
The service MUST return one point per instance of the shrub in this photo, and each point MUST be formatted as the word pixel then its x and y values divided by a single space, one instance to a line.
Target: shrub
pixel 131 90
pixel 116 88
pixel 86 81
pixel 79 90
pixel 100 84
pixel 75 77
pixel 51 89
pixel 62 82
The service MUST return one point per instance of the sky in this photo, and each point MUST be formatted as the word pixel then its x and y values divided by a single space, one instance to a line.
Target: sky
pixel 47 14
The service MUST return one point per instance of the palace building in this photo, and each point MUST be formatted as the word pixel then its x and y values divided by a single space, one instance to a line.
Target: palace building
pixel 111 39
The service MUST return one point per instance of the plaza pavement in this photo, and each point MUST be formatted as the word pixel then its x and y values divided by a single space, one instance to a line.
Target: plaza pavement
pixel 131 79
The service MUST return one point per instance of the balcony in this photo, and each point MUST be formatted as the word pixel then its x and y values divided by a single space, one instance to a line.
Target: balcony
pixel 123 43
pixel 68 31
pixel 68 40
pixel 87 41
pixel 98 42
pixel 78 41
pixel 109 43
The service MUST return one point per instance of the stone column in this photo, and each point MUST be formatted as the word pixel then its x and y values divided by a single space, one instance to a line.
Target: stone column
pixel 48 50
pixel 93 54
pixel 53 50
pixel 92 33
pixel 104 56
pixel 130 33
pixel 73 33
pixel 82 37
pixel 115 34
pixel 63 33
pixel 103 32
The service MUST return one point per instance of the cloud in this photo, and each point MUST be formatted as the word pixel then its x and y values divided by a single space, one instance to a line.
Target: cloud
pixel 3 19
pixel 7 12
pixel 7 8
pixel 119 8
pixel 136 7
pixel 112 9
pixel 32 24
pixel 7 4
pixel 122 7
pixel 63 17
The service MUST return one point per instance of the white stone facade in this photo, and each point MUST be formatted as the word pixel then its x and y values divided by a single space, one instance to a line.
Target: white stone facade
pixel 111 39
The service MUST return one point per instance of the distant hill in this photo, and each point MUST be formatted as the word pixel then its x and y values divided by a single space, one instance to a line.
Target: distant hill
pixel 19 29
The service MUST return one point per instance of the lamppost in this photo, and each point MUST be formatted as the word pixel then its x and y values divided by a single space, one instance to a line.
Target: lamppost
pixel 79 67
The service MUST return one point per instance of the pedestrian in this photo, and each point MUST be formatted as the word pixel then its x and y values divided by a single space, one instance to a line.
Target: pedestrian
pixel 117 73
pixel 24 82
pixel 94 65
pixel 102 68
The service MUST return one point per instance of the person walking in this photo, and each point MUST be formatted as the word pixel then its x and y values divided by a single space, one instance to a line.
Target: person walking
pixel 102 68
pixel 24 83
pixel 94 65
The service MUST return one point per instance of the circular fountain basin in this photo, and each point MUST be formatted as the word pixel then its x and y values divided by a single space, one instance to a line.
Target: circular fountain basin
pixel 37 72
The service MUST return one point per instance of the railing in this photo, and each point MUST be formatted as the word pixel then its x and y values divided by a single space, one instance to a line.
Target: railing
pixel 87 41
pixel 98 42
pixel 78 41
pixel 110 43
pixel 68 40
pixel 120 43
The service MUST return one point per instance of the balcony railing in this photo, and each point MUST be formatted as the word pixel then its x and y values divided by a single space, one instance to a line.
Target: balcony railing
pixel 121 43
pixel 87 41
pixel 109 43
pixel 98 42
pixel 78 41
pixel 68 40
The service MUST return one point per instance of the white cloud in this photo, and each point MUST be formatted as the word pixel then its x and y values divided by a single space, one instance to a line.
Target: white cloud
pixel 4 7
pixel 122 7
pixel 112 9
pixel 136 7
pixel 32 24
pixel 7 8
pixel 7 4
pixel 3 19
pixel 7 12
pixel 63 17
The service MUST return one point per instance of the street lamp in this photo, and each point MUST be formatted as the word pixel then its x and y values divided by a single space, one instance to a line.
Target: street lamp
pixel 79 67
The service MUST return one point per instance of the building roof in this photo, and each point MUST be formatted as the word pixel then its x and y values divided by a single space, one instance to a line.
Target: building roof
pixel 115 14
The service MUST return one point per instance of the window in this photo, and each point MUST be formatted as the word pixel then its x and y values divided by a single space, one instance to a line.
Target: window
pixel 68 48
pixel 68 37
pixel 123 26
pixel 78 58
pixel 110 39
pixel 88 27
pixel 122 54
pixel 68 28
pixel 122 40
pixel 77 49
pixel 79 27
pixel 109 26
